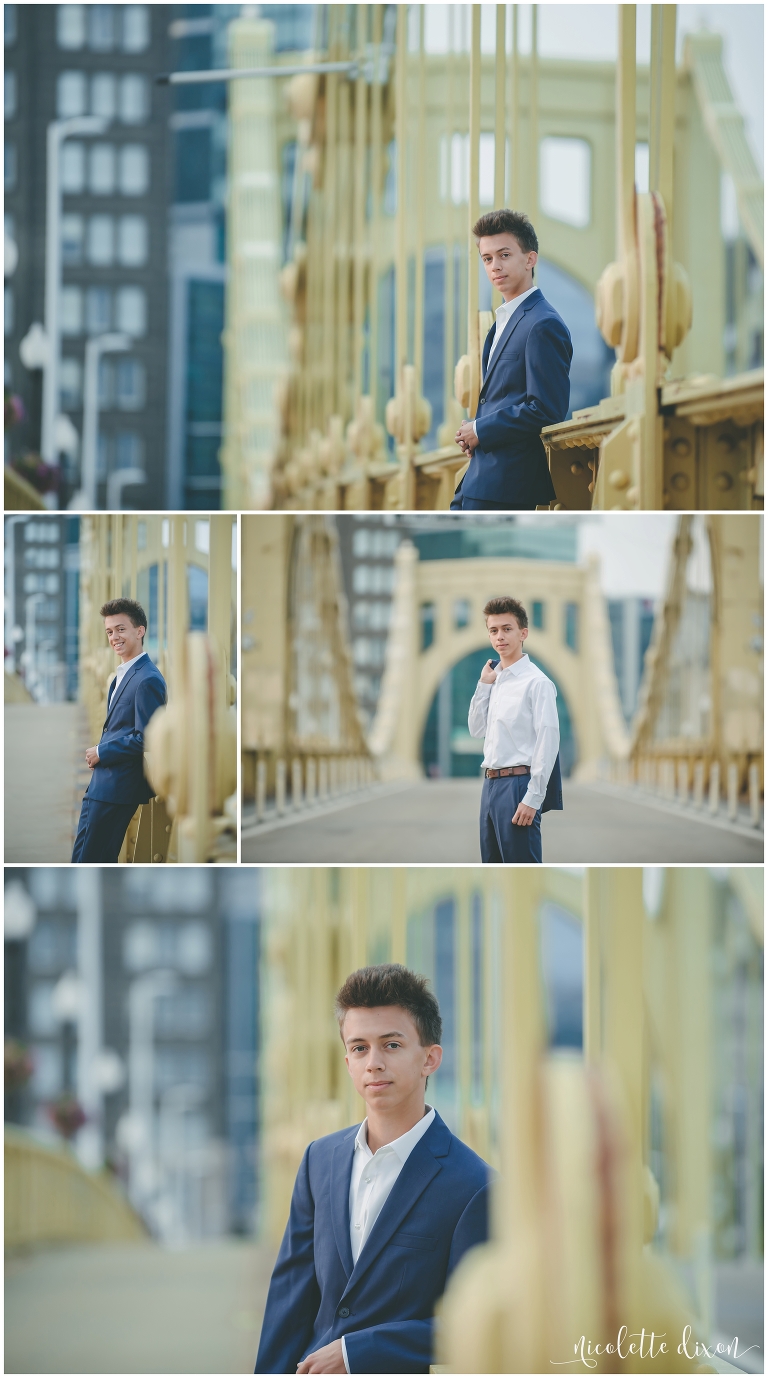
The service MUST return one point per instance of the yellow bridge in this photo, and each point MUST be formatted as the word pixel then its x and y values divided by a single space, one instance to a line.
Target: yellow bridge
pixel 325 396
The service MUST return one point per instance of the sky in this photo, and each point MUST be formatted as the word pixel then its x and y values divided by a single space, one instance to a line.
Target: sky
pixel 590 32
pixel 634 549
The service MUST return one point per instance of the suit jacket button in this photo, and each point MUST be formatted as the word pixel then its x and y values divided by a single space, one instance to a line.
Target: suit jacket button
pixel 344 1311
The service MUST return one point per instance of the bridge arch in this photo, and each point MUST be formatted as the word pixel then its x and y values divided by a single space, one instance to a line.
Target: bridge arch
pixel 446 746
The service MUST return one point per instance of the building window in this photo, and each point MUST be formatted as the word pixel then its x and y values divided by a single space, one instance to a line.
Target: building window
pixel 193 165
pixel 101 28
pixel 9 96
pixel 461 613
pixel 101 169
pixel 131 312
pixel 72 167
pixel 129 450
pixel 565 177
pixel 132 241
pixel 98 310
pixel 71 311
pixel 35 557
pixel 101 240
pixel 135 34
pixel 427 611
pixel 571 627
pixel 72 233
pixel 70 26
pixel 103 95
pixel 9 170
pixel 10 24
pixel 8 309
pixel 537 615
pixel 134 170
pixel 70 384
pixel 134 98
pixel 41 583
pixel 130 384
pixel 71 94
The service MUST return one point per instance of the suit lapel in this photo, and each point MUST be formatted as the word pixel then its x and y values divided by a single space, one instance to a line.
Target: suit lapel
pixel 489 339
pixel 420 1168
pixel 510 330
pixel 341 1171
pixel 121 686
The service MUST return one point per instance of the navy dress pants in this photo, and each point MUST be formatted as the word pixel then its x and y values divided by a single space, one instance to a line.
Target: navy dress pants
pixel 500 839
pixel 101 830
pixel 462 504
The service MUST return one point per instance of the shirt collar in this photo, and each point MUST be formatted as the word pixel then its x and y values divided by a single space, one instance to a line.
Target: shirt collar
pixel 507 307
pixel 400 1147
pixel 126 664
pixel 518 666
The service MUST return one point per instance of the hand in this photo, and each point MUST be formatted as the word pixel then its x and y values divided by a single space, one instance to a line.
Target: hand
pixel 488 675
pixel 92 757
pixel 329 1359
pixel 466 438
pixel 523 816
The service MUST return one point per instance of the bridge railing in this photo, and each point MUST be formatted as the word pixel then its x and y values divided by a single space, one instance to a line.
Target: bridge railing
pixel 279 785
pixel 50 1198
pixel 699 781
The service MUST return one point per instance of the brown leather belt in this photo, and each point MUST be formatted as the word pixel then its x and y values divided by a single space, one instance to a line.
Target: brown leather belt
pixel 507 770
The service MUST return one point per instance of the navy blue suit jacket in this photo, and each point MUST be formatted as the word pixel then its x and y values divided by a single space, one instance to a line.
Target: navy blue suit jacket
pixel 383 1305
pixel 119 776
pixel 526 388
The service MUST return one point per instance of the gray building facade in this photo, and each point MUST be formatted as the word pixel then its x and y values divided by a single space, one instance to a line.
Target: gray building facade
pixel 201 929
pixel 63 61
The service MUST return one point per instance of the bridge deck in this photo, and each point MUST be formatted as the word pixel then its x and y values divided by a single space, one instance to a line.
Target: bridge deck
pixel 436 821
pixel 136 1308
pixel 45 776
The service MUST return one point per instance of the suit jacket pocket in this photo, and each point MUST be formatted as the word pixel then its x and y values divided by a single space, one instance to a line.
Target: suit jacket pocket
pixel 414 1241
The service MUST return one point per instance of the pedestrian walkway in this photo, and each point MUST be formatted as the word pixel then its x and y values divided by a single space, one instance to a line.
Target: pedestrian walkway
pixel 45 777
pixel 136 1308
pixel 437 821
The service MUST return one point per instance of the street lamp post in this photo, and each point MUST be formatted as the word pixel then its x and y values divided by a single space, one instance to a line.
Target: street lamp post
pixel 141 1080
pixel 58 131
pixel 85 499
pixel 90 1140
pixel 117 481
pixel 30 638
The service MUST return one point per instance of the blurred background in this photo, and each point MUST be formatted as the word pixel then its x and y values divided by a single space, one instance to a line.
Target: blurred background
pixel 116 191
pixel 359 673
pixel 156 1115
pixel 59 571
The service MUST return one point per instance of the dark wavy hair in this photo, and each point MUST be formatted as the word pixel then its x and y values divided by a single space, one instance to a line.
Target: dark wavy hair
pixel 130 607
pixel 495 606
pixel 392 984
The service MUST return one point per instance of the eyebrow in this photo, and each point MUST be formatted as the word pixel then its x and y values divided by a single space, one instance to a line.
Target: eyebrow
pixel 361 1038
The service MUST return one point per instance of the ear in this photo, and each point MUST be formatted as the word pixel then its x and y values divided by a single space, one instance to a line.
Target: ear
pixel 523 633
pixel 433 1059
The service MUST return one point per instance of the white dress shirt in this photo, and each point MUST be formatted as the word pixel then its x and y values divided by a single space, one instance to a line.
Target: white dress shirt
pixel 517 716
pixel 372 1179
pixel 124 667
pixel 504 314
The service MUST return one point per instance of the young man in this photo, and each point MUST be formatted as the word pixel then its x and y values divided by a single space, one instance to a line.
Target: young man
pixel 118 784
pixel 514 709
pixel 525 367
pixel 382 1212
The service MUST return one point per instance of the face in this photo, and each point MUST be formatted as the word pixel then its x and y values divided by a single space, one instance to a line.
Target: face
pixel 386 1061
pixel 505 635
pixel 507 266
pixel 123 637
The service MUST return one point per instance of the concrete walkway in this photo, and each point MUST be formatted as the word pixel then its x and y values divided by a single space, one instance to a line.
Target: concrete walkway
pixel 45 777
pixel 437 821
pixel 136 1308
